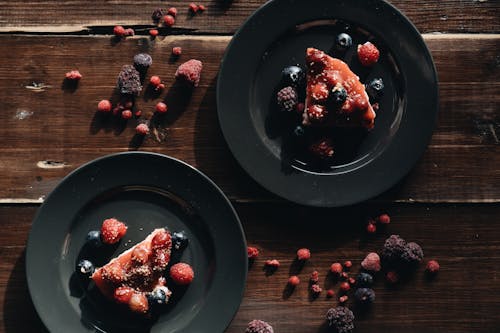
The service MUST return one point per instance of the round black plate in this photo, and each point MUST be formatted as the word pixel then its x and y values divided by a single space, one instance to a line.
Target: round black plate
pixel 366 162
pixel 146 191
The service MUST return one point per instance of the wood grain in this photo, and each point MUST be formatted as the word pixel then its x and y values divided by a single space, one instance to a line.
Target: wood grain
pixel 43 128
pixel 463 238
pixel 221 17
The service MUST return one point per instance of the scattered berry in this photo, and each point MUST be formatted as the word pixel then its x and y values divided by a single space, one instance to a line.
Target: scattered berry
pixel 364 280
pixel 273 263
pixel 364 296
pixel 314 277
pixel 316 289
pixel 384 219
pixel 129 32
pixel 344 275
pixel 371 262
pixel 259 326
pixel 336 268
pixel 330 293
pixel 368 54
pixel 142 129
pixel 137 113
pixel 252 252
pixel 345 286
pixel 153 32
pixel 85 267
pixel 193 8
pixel 104 106
pixel 169 20
pixel 114 273
pixel 348 264
pixel 180 240
pixel 322 149
pixel 340 319
pixel 303 254
pixel 202 8
pixel 126 114
pixel 343 299
pixel 317 113
pixel 161 107
pixel 176 51
pixel 73 75
pixel 119 31
pixel 343 41
pixel 112 231
pixel 123 294
pixel 287 99
pixel 157 15
pixel 190 72
pixel 319 92
pixel 161 239
pixel 432 267
pixel 371 228
pixel 142 61
pixel 172 11
pixel 182 274
pixel 94 238
pixel 392 277
pixel 293 76
pixel 375 89
pixel 155 80
pixel 159 296
pixel 352 281
pixel 129 81
pixel 300 108
pixel 413 253
pixel 138 303
pixel 394 246
pixel 293 281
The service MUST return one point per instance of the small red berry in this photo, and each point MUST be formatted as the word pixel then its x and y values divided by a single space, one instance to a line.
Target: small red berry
pixel 119 31
pixel 273 263
pixel 161 107
pixel 172 11
pixel 128 105
pixel 300 107
pixel 336 268
pixel 126 114
pixel 293 281
pixel 129 32
pixel 316 289
pixel 384 219
pixel 345 286
pixel 252 252
pixel 112 231
pixel 161 86
pixel 368 54
pixel 330 293
pixel 138 303
pixel 314 277
pixel 392 277
pixel 176 51
pixel 181 274
pixel 371 228
pixel 432 267
pixel 138 113
pixel 344 275
pixel 303 254
pixel 193 7
pixel 104 106
pixel 348 264
pixel 142 129
pixel 155 80
pixel 73 75
pixel 343 299
pixel 153 32
pixel 201 8
pixel 123 294
pixel 169 20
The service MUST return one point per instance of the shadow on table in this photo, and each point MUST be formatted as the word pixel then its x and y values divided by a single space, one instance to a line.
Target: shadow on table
pixel 19 314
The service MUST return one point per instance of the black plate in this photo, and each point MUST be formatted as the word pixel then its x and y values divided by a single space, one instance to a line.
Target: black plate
pixel 146 191
pixel 366 163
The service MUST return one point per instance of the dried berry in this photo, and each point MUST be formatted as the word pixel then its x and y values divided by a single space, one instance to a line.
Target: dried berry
pixel 153 32
pixel 169 20
pixel 314 277
pixel 155 81
pixel 104 106
pixel 252 252
pixel 142 129
pixel 157 15
pixel 190 72
pixel 129 81
pixel 392 277
pixel 371 262
pixel 336 268
pixel 345 286
pixel 432 267
pixel 142 61
pixel 412 254
pixel 394 247
pixel 364 296
pixel 259 326
pixel 161 107
pixel 303 254
pixel 293 280
pixel 341 319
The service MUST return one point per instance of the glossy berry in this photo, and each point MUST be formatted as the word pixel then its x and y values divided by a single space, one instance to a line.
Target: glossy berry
pixel 293 76
pixel 182 274
pixel 123 294
pixel 384 219
pixel 293 281
pixel 343 41
pixel 169 20
pixel 336 268
pixel 153 32
pixel 138 303
pixel 375 89
pixel 85 267
pixel 303 254
pixel 338 96
pixel 172 11
pixel 161 107
pixel 119 31
pixel 112 231
pixel 368 54
pixel 104 106
pixel 94 238
pixel 158 297
pixel 179 240
pixel 252 252
pixel 371 228
pixel 142 129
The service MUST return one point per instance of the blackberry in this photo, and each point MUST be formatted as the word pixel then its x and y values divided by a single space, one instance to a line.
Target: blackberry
pixel 341 319
pixel 375 88
pixel 394 247
pixel 142 61
pixel 129 81
pixel 364 280
pixel 259 326
pixel 158 14
pixel 364 296
pixel 343 41
pixel 412 253
pixel 287 99
pixel 293 76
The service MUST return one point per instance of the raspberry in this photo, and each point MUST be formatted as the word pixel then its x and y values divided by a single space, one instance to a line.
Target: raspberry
pixel 384 219
pixel 73 75
pixel 322 149
pixel 368 54
pixel 190 72
pixel 294 281
pixel 129 32
pixel 392 277
pixel 129 81
pixel 371 228
pixel 340 319
pixel 314 277
pixel 104 106
pixel 157 14
pixel 140 254
pixel 160 259
pixel 287 99
pixel 126 114
pixel 176 51
pixel 336 268
pixel 112 231
pixel 273 263
pixel 303 254
pixel 330 293
pixel 316 289
pixel 252 252
pixel 182 274
pixel 319 92
pixel 142 129
pixel 161 107
pixel 345 286
pixel 153 32
pixel 432 267
pixel 155 80
pixel 138 303
pixel 119 31
pixel 371 262
pixel 193 7
pixel 161 240
pixel 348 264
pixel 259 326
pixel 123 294
pixel 172 11
pixel 169 20
pixel 316 113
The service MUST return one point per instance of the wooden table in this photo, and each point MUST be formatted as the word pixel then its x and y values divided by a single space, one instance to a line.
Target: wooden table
pixel 449 203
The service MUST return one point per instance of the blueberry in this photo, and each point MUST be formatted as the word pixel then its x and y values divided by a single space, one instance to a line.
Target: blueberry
pixel 94 238
pixel 343 41
pixel 179 240
pixel 338 96
pixel 293 75
pixel 375 88
pixel 299 131
pixel 158 297
pixel 85 267
pixel 364 280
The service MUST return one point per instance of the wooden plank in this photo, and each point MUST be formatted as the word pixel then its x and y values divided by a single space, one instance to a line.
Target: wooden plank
pixel 463 297
pixel 221 16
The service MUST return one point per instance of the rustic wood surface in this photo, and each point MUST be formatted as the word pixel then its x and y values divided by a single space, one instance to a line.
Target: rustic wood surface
pixel 449 203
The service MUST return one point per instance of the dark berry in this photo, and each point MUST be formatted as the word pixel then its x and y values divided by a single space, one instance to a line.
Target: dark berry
pixel 412 254
pixel 158 14
pixel 338 95
pixel 364 280
pixel 179 240
pixel 343 41
pixel 341 319
pixel 299 131
pixel 158 297
pixel 322 149
pixel 394 247
pixel 364 295
pixel 85 267
pixel 259 326
pixel 293 76
pixel 375 88
pixel 142 61
pixel 287 99
pixel 94 238
pixel 129 81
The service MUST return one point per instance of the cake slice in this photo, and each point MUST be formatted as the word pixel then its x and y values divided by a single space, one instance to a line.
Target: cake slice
pixel 334 94
pixel 136 275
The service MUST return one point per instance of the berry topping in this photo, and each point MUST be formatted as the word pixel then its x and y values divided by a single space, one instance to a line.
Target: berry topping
pixel 138 303
pixel 343 41
pixel 119 31
pixel 371 262
pixel 112 231
pixel 316 60
pixel 73 75
pixel 316 113
pixel 161 107
pixel 179 240
pixel 123 294
pixel 341 319
pixel 432 267
pixel 140 254
pixel 182 274
pixel 159 296
pixel 113 273
pixel 85 267
pixel 293 280
pixel 293 76
pixel 319 92
pixel 364 295
pixel 368 54
pixel 94 238
pixel 190 72
pixel 338 95
pixel 162 239
pixel 375 89
pixel 303 254
pixel 129 81
pixel 364 280
pixel 104 106
pixel 336 268
pixel 259 326
pixel 322 149
pixel 142 129
pixel 287 99
pixel 252 252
